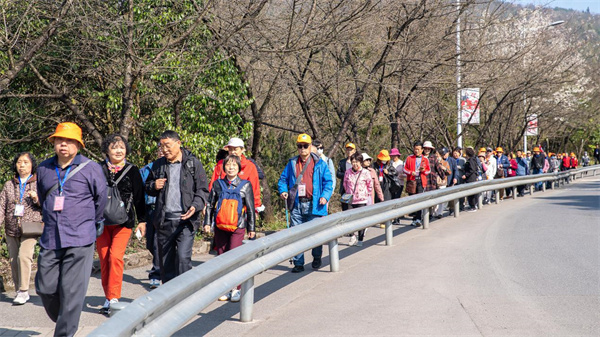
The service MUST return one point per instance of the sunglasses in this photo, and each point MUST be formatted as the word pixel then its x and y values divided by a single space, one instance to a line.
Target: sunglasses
pixel 303 146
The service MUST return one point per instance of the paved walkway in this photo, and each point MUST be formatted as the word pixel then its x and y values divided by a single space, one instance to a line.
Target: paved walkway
pixel 525 267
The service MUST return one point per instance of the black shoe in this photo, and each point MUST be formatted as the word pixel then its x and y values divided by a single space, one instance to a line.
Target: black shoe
pixel 316 264
pixel 297 269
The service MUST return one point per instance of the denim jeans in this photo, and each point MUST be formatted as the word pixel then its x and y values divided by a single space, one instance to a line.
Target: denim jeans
pixel 538 186
pixel 301 213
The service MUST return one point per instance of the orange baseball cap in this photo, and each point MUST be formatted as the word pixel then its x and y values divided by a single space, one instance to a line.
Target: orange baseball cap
pixel 499 149
pixel 67 130
pixel 351 145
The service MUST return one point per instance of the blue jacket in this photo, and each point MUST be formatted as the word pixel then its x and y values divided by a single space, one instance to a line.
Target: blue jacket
pixel 503 160
pixel 523 167
pixel 453 163
pixel 322 183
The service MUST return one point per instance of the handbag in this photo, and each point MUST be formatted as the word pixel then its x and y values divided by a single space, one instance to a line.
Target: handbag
pixel 348 197
pixel 32 228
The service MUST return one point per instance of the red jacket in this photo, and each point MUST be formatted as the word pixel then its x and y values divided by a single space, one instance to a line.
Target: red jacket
pixel 566 161
pixel 409 169
pixel 248 172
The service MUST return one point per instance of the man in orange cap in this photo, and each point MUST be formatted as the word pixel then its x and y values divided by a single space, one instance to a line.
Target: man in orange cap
pixel 73 217
pixel 536 165
pixel 306 186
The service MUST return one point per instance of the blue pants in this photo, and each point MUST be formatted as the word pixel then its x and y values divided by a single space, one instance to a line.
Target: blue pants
pixel 538 186
pixel 301 213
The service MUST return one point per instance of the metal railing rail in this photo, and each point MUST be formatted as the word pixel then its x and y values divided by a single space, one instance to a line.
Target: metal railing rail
pixel 168 308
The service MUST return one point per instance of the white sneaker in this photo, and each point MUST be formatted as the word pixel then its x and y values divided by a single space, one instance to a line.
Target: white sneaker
pixel 22 297
pixel 418 223
pixel 359 244
pixel 154 283
pixel 236 295
pixel 225 297
pixel 352 241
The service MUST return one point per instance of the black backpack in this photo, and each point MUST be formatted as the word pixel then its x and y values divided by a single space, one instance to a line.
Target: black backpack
pixel 116 212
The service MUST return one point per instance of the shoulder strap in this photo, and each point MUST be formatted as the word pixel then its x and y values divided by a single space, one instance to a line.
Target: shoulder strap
pixel 77 169
pixel 125 170
pixel 299 179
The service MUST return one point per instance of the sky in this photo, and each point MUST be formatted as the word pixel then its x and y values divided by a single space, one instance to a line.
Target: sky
pixel 580 5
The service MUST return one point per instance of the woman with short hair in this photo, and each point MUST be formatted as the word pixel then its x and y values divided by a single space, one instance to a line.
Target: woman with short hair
pixel 112 243
pixel 359 184
pixel 19 203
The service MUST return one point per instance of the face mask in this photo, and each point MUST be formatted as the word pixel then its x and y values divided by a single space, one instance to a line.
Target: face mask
pixel 320 151
pixel 384 162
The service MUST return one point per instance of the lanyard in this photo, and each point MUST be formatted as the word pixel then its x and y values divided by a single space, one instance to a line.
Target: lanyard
pixel 61 183
pixel 22 186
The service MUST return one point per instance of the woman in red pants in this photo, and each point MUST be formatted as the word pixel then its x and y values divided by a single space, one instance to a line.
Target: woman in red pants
pixel 112 243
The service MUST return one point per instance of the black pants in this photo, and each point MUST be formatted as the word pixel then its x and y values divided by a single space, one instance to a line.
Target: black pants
pixel 61 282
pixel 175 243
pixel 361 233
pixel 417 215
pixel 152 245
pixel 472 199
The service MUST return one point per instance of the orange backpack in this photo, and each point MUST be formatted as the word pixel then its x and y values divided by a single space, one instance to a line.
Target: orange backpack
pixel 230 206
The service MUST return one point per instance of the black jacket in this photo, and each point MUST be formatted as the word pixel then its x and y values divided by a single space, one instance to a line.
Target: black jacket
pixel 131 187
pixel 247 221
pixel 340 173
pixel 193 185
pixel 387 180
pixel 471 170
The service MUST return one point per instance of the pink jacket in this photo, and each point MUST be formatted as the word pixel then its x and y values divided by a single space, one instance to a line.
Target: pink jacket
pixel 360 185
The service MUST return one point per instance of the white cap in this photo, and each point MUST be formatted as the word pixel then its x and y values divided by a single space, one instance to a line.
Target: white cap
pixel 235 142
pixel 428 144
pixel 366 156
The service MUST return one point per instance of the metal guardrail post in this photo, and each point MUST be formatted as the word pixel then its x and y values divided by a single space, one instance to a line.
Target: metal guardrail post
pixel 389 233
pixel 425 215
pixel 480 201
pixel 544 186
pixel 514 193
pixel 497 197
pixel 247 300
pixel 334 256
pixel 456 208
pixel 531 188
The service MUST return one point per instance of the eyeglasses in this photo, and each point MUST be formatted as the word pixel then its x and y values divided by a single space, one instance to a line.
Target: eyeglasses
pixel 303 146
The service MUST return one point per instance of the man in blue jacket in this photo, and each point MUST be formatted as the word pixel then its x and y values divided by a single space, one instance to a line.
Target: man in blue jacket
pixel 522 170
pixel 307 182
pixel 503 165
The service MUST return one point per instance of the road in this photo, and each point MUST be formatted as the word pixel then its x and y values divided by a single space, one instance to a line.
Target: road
pixel 525 267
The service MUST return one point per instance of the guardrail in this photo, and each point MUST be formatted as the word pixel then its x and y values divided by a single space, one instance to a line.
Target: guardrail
pixel 168 308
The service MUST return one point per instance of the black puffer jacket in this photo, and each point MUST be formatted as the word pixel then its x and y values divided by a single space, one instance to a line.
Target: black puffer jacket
pixel 248 220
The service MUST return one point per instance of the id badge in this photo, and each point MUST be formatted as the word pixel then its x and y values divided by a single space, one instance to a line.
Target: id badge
pixel 380 179
pixel 59 203
pixel 19 210
pixel 301 190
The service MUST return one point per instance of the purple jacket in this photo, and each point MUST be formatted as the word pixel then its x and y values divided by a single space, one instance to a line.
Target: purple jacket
pixel 85 198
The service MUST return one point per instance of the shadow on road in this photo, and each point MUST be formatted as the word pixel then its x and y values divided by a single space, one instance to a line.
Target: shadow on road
pixel 206 322
pixel 13 332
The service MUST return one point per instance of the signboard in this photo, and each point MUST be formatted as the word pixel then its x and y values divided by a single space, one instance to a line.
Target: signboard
pixel 532 125
pixel 469 106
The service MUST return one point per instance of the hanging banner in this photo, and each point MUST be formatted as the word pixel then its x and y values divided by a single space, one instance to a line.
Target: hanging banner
pixel 469 105
pixel 532 125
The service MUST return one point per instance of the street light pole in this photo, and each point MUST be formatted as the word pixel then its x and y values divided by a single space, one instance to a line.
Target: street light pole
pixel 458 87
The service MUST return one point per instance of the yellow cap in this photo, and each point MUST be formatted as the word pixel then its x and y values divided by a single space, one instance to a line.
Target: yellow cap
pixel 67 130
pixel 482 149
pixel 304 138
pixel 351 145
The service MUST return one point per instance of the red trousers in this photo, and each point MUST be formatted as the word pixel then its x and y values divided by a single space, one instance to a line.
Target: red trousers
pixel 226 241
pixel 111 247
